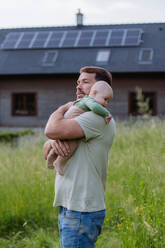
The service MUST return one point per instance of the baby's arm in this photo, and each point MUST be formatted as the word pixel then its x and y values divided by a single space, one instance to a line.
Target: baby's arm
pixel 61 161
pixel 98 109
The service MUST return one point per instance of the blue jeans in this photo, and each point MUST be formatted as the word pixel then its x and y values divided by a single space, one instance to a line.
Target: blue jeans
pixel 79 229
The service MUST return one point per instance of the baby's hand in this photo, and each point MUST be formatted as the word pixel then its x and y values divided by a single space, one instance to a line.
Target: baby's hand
pixel 108 118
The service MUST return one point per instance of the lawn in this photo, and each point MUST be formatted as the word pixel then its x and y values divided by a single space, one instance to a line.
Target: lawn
pixel 135 192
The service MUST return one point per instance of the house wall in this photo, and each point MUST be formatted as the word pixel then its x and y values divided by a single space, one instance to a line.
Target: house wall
pixel 124 84
pixel 56 90
pixel 51 93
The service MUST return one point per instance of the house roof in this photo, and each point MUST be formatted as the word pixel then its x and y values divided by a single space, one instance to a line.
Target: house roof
pixel 60 50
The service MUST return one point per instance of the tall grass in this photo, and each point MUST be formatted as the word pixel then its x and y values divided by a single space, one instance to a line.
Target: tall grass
pixel 135 215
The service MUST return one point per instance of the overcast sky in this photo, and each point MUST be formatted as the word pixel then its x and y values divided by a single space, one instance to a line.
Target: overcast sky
pixel 34 13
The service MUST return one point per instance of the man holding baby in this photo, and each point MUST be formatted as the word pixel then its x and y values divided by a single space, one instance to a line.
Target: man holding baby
pixel 80 191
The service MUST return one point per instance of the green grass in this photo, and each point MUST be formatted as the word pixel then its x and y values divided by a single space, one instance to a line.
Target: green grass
pixel 135 197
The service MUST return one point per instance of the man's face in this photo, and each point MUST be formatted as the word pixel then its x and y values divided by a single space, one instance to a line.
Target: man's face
pixel 84 84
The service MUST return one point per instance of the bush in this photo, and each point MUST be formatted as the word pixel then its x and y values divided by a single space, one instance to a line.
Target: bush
pixel 11 136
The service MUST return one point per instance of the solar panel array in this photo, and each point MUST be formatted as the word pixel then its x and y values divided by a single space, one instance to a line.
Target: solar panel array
pixel 81 38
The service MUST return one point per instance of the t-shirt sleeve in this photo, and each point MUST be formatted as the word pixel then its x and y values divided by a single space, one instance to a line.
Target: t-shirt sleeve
pixel 91 123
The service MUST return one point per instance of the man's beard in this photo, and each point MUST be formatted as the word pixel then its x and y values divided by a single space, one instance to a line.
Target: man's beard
pixel 80 94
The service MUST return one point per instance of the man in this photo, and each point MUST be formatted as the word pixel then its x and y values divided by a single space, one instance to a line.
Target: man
pixel 80 193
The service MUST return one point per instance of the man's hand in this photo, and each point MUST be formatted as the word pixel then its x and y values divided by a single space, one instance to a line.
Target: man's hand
pixel 108 118
pixel 61 148
pixel 65 107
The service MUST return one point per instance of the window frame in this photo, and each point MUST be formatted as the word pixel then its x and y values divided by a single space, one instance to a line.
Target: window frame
pixel 46 55
pixel 103 62
pixel 149 61
pixel 14 102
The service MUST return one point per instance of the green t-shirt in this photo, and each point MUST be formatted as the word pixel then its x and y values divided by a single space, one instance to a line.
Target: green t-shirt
pixel 82 188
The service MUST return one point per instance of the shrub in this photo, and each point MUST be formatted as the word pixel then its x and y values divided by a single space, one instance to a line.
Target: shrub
pixel 11 136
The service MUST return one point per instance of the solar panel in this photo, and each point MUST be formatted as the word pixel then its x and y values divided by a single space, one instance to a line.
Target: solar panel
pixel 85 38
pixel 115 41
pixel 99 42
pixel 71 35
pixel 86 34
pixel 13 35
pixel 38 44
pixel 9 44
pixel 53 43
pixel 54 39
pixel 131 41
pixel 24 44
pixel 132 37
pixel 11 40
pixel 57 35
pixel 68 43
pixel 28 35
pixel 133 32
pixel 100 38
pixel 70 39
pixel 40 40
pixel 117 33
pixel 25 40
pixel 42 35
pixel 116 37
pixel 78 38
pixel 84 43
pixel 100 34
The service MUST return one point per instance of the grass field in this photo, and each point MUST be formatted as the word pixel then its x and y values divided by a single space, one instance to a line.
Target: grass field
pixel 135 193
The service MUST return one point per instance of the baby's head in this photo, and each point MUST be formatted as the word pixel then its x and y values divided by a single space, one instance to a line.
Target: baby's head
pixel 102 92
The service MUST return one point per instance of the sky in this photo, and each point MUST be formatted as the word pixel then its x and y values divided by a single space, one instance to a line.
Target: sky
pixel 44 13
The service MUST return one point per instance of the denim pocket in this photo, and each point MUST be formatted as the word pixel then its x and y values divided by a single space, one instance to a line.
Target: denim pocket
pixel 98 223
pixel 70 219
pixel 96 227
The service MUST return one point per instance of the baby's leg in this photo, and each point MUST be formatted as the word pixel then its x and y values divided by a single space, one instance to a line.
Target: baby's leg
pixel 50 159
pixel 46 149
pixel 61 161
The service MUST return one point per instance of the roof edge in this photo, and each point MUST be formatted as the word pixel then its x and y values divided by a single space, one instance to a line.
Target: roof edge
pixel 74 26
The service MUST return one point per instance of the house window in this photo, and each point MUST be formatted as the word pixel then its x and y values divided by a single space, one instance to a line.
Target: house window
pixel 103 57
pixel 146 56
pixel 133 106
pixel 49 58
pixel 24 104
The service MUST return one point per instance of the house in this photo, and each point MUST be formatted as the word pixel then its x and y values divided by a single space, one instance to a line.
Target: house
pixel 39 68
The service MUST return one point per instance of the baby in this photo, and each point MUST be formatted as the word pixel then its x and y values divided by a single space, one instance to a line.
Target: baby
pixel 100 95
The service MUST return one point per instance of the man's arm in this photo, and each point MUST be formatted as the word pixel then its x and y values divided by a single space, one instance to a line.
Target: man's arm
pixel 58 127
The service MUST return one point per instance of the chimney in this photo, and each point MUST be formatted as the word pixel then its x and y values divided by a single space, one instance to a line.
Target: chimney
pixel 79 18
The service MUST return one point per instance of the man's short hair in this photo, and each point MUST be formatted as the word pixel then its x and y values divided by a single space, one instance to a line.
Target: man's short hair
pixel 101 73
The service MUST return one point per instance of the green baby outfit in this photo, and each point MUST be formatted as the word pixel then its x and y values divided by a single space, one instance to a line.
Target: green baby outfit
pixel 88 103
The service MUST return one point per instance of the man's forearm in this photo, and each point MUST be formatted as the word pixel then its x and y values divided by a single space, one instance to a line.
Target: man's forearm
pixel 58 127
pixel 54 121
